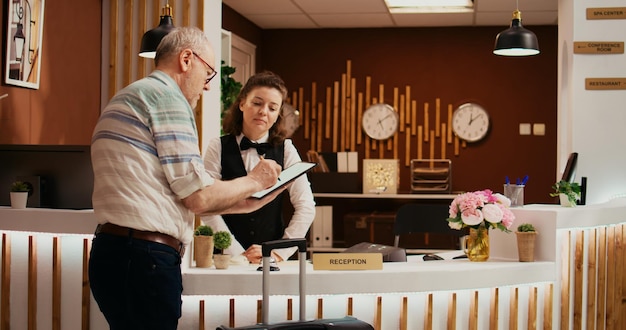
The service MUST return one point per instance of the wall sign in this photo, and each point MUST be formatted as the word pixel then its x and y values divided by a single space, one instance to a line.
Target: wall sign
pixel 606 13
pixel 605 83
pixel 24 39
pixel 598 47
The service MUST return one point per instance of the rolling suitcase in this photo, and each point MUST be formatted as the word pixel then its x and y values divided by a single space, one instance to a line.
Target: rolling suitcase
pixel 347 322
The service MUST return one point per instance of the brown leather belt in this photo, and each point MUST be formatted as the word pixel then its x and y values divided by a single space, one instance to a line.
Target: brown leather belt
pixel 113 229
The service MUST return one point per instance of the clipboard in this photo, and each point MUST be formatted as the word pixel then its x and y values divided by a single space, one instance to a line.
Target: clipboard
pixel 286 176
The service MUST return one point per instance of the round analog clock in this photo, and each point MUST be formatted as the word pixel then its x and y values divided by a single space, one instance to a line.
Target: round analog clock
pixel 291 118
pixel 380 121
pixel 470 122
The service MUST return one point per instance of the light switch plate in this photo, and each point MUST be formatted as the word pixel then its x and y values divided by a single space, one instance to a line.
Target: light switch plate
pixel 524 129
pixel 539 129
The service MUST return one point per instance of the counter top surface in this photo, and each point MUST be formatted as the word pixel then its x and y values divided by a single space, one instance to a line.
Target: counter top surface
pixel 414 275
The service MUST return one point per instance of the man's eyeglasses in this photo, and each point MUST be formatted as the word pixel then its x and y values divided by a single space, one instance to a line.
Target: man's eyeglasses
pixel 210 74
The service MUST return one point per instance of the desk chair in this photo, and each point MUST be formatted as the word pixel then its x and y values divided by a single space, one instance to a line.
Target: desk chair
pixel 423 218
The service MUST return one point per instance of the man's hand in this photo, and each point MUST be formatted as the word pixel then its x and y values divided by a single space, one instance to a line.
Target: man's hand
pixel 254 254
pixel 266 173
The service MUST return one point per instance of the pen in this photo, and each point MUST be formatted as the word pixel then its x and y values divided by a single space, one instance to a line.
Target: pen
pixel 261 158
pixel 506 180
pixel 524 180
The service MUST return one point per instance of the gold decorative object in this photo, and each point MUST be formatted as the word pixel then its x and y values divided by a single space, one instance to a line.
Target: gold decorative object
pixel 478 244
pixel 381 176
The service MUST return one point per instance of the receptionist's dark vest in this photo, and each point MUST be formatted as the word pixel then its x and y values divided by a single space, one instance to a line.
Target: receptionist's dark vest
pixel 264 224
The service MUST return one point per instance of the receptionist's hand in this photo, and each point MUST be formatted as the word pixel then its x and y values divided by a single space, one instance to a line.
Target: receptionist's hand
pixel 254 254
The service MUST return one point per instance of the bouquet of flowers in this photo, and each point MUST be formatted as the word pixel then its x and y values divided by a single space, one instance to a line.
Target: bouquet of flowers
pixel 472 209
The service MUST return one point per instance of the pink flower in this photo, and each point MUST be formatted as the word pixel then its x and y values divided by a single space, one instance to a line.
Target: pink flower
pixel 483 206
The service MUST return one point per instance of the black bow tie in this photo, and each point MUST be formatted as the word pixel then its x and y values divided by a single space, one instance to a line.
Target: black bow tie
pixel 261 148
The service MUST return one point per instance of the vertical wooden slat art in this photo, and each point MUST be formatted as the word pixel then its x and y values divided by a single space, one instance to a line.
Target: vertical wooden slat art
pixel 301 102
pixel 313 124
pixel 399 108
pixel 450 123
pixel 413 117
pixel 419 142
pixel 349 80
pixel 359 131
pixel 319 124
pixel 32 282
pixel 451 321
pixel 565 282
pixel 532 309
pixel 432 146
pixel 407 151
pixel 601 296
pixel 343 124
pixel 113 36
pixel 289 309
pixel 426 125
pixel 353 114
pixel 187 13
pixel 56 287
pixel 443 141
pixel 5 283
pixel 85 291
pixel 404 313
pixel 142 28
pixel 128 43
pixel 328 111
pixel 201 315
pixel 456 146
pixel 473 311
pixel 494 305
pixel 313 100
pixel 320 308
pixel 335 116
pixel 611 310
pixel 591 279
pixel 513 307
pixel 437 117
pixel 428 313
pixel 407 106
pixel 578 278
pixel 548 299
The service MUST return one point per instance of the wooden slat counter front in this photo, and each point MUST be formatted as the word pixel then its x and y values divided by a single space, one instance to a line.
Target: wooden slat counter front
pixel 501 293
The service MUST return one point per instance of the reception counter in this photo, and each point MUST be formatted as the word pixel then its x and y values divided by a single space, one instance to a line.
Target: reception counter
pixel 580 260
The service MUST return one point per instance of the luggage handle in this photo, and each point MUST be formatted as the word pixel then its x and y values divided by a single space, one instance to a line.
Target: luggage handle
pixel 266 250
pixel 267 247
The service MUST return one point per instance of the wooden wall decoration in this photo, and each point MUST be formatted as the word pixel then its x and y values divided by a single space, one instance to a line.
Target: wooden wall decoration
pixel 335 125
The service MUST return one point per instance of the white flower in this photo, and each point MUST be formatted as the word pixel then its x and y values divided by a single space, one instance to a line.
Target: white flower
pixel 455 225
pixel 472 218
pixel 492 213
pixel 503 199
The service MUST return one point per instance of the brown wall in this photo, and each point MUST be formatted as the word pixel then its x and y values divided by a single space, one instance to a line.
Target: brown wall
pixel 453 64
pixel 64 110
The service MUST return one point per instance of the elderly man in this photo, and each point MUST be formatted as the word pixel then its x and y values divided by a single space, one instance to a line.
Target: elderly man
pixel 149 183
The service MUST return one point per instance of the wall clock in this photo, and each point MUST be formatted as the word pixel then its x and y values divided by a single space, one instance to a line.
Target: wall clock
pixel 380 121
pixel 470 122
pixel 291 118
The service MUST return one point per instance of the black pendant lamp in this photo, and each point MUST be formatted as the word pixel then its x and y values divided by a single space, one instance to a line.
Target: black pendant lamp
pixel 152 38
pixel 516 40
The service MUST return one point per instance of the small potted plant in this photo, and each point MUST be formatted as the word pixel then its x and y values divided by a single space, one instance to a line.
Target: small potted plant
pixel 203 246
pixel 568 192
pixel 222 241
pixel 526 236
pixel 19 194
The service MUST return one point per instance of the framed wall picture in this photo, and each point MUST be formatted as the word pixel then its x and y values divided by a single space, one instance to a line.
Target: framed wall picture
pixel 24 40
pixel 381 176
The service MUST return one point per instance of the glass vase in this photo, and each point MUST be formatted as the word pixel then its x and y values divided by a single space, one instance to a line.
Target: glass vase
pixel 477 248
